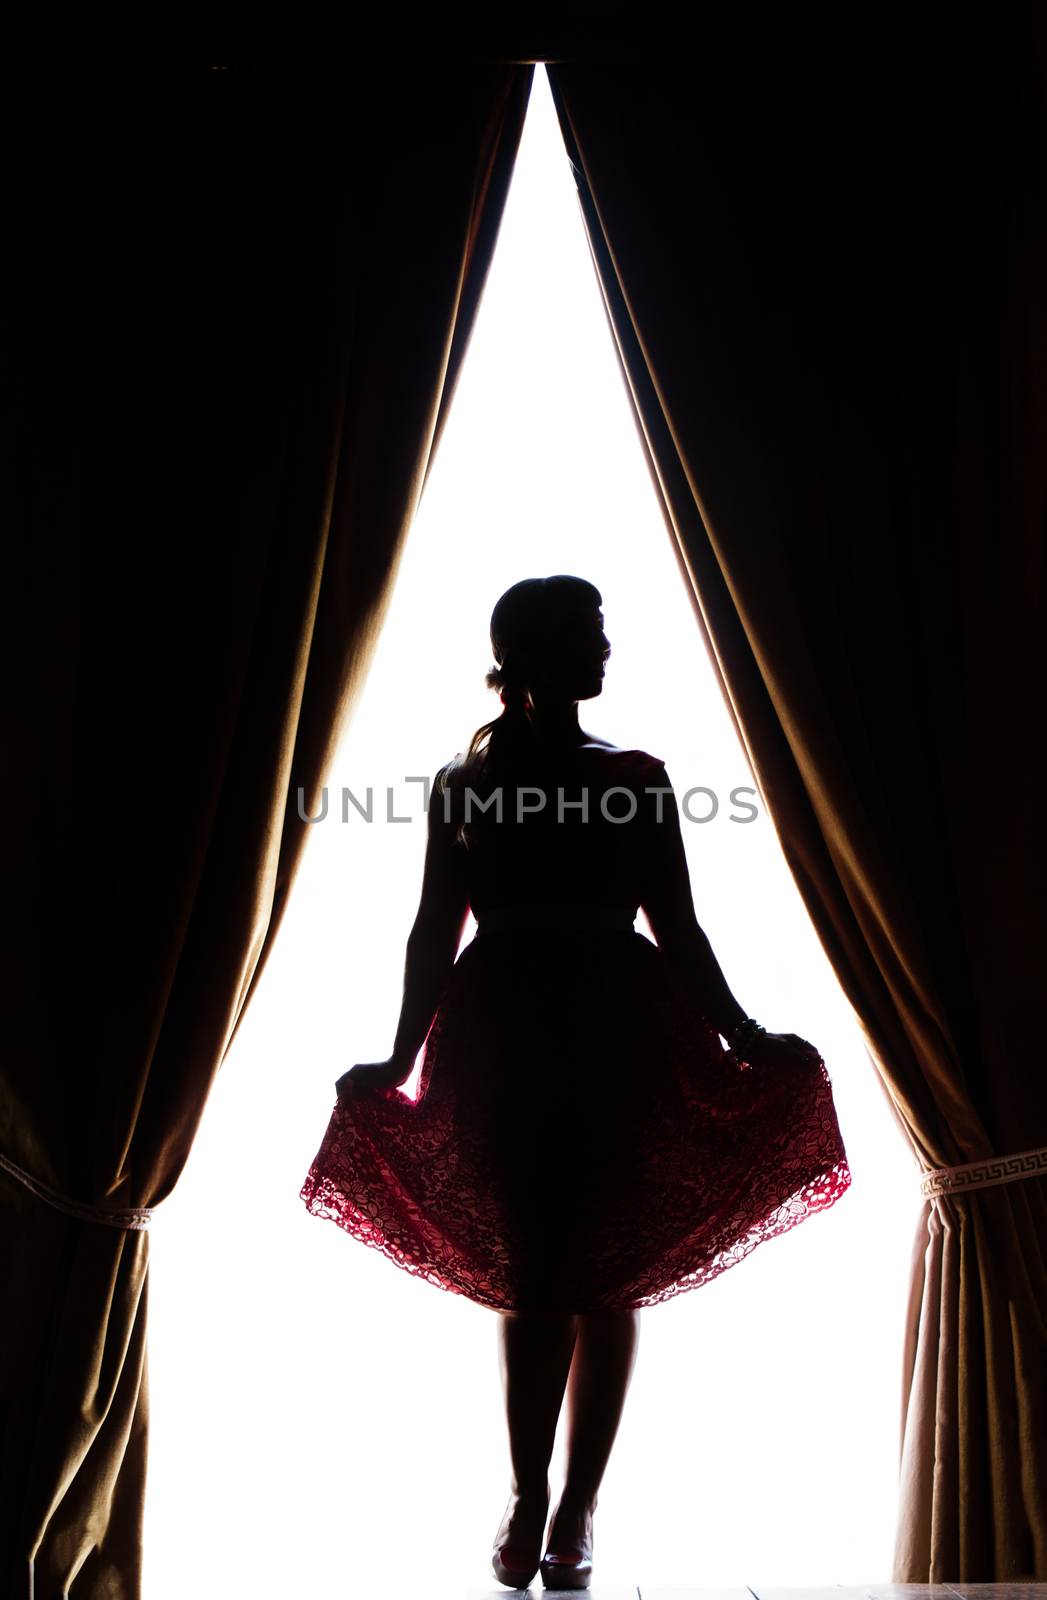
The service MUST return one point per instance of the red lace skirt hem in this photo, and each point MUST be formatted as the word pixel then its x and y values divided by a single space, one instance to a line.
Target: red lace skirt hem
pixel 580 1140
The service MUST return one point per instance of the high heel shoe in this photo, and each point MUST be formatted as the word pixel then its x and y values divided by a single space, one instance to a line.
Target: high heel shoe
pixel 568 1562
pixel 514 1560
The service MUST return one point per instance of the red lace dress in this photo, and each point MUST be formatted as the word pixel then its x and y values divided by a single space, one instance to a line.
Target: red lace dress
pixel 580 1138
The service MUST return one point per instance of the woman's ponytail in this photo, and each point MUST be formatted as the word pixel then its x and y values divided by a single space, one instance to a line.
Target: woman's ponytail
pixel 496 744
pixel 495 751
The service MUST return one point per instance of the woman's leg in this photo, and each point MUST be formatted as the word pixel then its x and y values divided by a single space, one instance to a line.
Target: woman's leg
pixel 535 1357
pixel 535 1353
pixel 601 1367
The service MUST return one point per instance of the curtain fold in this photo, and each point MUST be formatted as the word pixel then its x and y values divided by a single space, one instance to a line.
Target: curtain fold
pixel 237 303
pixel 823 255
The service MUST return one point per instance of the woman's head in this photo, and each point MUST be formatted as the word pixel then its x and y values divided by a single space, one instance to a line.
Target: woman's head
pixel 549 648
pixel 548 641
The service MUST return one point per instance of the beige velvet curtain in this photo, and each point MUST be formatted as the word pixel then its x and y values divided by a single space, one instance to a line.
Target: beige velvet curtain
pixel 822 242
pixel 236 304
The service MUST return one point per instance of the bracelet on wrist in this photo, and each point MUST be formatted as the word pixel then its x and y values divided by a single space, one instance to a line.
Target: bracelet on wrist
pixel 743 1033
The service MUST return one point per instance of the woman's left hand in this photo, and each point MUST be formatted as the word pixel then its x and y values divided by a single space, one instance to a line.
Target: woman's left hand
pixel 777 1049
pixel 372 1075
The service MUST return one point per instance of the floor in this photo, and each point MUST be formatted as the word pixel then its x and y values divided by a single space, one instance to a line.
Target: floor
pixel 871 1591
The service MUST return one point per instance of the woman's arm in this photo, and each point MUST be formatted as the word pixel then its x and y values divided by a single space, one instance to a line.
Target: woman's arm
pixel 669 907
pixel 433 942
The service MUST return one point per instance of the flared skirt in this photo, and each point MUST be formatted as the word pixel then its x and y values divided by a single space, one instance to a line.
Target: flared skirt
pixel 580 1139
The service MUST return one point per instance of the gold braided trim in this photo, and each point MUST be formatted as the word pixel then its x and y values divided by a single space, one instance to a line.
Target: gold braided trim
pixel 983 1174
pixel 115 1216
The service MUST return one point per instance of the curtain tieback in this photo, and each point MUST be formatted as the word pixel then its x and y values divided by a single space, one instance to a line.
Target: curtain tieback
pixel 983 1174
pixel 115 1216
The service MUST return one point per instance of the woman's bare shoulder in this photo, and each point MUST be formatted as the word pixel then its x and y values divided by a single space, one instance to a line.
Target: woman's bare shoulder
pixel 458 770
pixel 631 756
pixel 592 741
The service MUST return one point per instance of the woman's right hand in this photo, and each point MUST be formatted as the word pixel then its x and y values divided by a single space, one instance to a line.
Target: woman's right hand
pixel 371 1075
pixel 777 1049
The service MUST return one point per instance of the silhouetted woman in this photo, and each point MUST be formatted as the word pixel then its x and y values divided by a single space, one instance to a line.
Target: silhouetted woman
pixel 583 1142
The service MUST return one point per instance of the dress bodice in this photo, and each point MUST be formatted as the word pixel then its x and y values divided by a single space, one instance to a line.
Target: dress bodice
pixel 577 834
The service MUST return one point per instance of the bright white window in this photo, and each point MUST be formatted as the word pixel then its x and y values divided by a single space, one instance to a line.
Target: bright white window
pixel 320 1419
